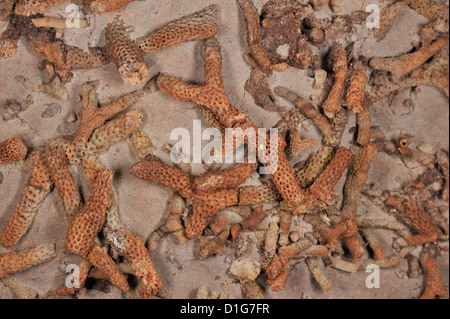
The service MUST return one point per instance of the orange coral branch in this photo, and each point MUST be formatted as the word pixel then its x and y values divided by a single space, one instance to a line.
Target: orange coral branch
pixel 12 150
pixel 89 221
pixel 104 6
pixel 338 57
pixel 125 54
pixel 323 187
pixel 13 262
pixel 402 65
pixel 63 180
pixel 198 26
pixel 213 96
pixel 32 7
pixel 357 88
pixel 255 46
pixel 434 286
pixel 413 214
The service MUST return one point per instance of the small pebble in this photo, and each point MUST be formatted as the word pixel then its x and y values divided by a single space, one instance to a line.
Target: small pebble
pixel 51 111
pixel 2 177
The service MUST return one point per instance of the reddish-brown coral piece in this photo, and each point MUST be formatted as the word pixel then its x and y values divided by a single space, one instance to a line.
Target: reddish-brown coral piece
pixel 357 178
pixel 32 7
pixel 345 230
pixel 223 179
pixel 338 57
pixel 140 262
pixel 104 6
pixel 93 117
pixel 100 259
pixel 402 65
pixel 205 204
pixel 89 221
pixel 356 91
pixel 63 180
pixel 442 161
pixel 413 214
pixel 12 150
pixel 434 286
pixel 258 195
pixel 213 96
pixel 198 26
pixel 323 187
pixel 13 262
pixel 255 46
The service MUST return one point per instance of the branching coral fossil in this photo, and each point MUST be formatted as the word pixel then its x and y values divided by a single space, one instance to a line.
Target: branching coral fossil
pixel 50 166
pixel 329 178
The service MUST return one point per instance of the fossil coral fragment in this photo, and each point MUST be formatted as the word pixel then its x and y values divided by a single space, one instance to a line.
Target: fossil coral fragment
pixel 322 188
pixel 338 58
pixel 198 26
pixel 104 6
pixel 434 285
pixel 213 96
pixel 388 17
pixel 402 65
pixel 12 150
pixel 32 7
pixel 62 178
pixel 125 54
pixel 12 262
pixel 254 38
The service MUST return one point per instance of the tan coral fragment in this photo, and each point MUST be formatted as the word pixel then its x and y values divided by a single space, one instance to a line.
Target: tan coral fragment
pixel 12 150
pixel 357 89
pixel 23 215
pixel 125 54
pixel 63 179
pixel 88 222
pixel 255 46
pixel 140 262
pixel 323 187
pixel 104 6
pixel 32 7
pixel 198 26
pixel 339 61
pixel 388 17
pixel 12 262
pixel 402 65
pixel 434 285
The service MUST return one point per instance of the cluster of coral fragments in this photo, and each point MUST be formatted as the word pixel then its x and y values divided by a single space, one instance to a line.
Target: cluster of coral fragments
pixel 275 208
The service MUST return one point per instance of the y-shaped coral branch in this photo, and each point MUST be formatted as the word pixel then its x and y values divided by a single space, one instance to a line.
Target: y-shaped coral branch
pixel 207 199
pixel 212 95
